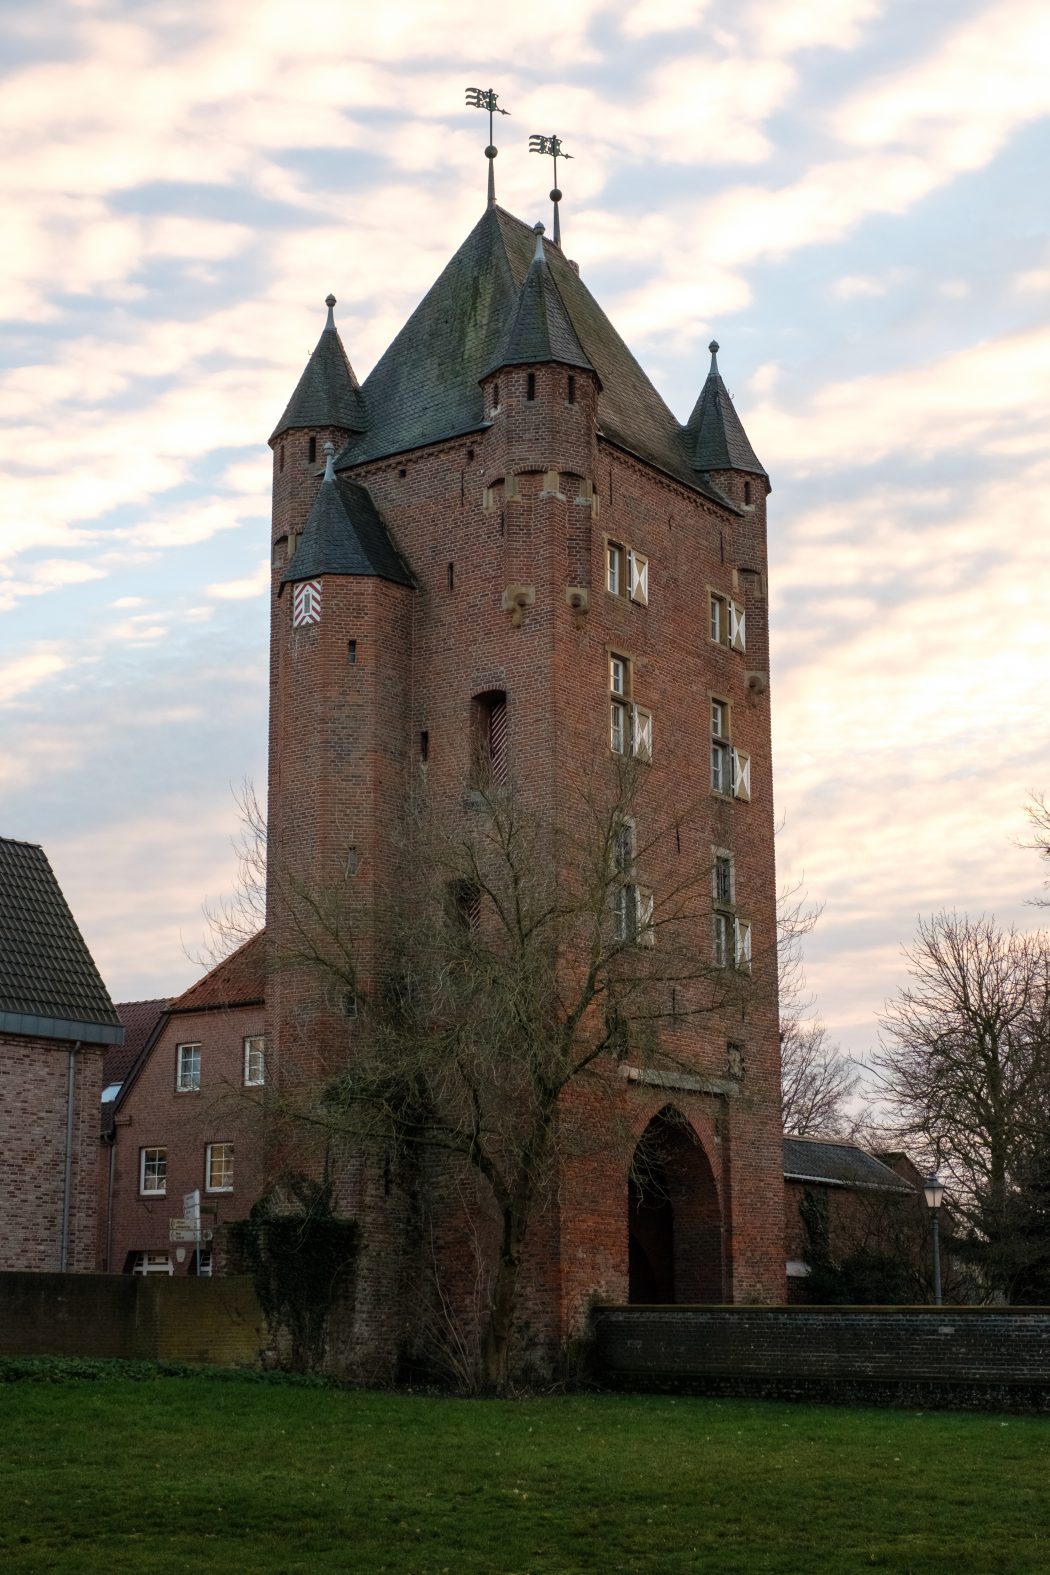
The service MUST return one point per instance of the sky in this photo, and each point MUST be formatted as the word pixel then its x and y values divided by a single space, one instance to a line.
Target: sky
pixel 846 193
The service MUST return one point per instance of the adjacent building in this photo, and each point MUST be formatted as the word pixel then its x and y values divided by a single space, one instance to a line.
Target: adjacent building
pixel 56 1021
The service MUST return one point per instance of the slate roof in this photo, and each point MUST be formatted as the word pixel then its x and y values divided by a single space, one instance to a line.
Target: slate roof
pixel 327 394
pixel 344 535
pixel 239 980
pixel 540 329
pixel 837 1164
pixel 139 1019
pixel 49 985
pixel 714 432
pixel 425 387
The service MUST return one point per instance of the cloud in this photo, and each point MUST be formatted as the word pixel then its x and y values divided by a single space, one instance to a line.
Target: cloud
pixel 23 673
pixel 250 585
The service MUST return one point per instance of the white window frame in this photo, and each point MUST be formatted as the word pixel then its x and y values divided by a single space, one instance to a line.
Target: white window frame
pixel 741 776
pixel 254 1044
pixel 737 631
pixel 619 675
pixel 742 945
pixel 153 1263
pixel 153 1192
pixel 188 1084
pixel 722 858
pixel 619 725
pixel 615 568
pixel 641 733
pixel 727 622
pixel 637 577
pixel 209 1152
pixel 721 930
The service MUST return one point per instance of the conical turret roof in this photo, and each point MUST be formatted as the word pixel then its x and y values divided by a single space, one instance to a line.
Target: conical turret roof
pixel 328 393
pixel 714 431
pixel 344 535
pixel 541 329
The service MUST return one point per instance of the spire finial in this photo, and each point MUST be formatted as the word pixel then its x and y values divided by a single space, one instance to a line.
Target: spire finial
pixel 329 460
pixel 486 98
pixel 329 301
pixel 539 232
pixel 552 146
pixel 714 349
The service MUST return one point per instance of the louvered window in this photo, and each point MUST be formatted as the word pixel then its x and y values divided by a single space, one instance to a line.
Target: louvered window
pixel 491 764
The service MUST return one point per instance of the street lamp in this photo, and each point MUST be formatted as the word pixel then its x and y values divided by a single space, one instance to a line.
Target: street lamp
pixel 933 1187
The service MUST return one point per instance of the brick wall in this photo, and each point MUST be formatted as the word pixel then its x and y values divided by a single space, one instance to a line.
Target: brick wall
pixel 104 1315
pixel 155 1114
pixel 935 1355
pixel 34 1086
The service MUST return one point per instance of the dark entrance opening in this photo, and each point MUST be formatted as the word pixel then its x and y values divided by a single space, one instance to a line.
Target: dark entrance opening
pixel 674 1221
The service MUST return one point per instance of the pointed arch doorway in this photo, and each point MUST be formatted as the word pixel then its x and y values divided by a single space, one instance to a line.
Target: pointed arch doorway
pixel 674 1219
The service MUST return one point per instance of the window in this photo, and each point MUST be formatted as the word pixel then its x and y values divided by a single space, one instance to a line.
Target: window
pixel 619 674
pixel 530 385
pixel 254 1061
pixel 747 493
pixel 151 1263
pixel 188 1069
pixel 201 1262
pixel 424 746
pixel 728 624
pixel 742 948
pixel 495 396
pixel 490 750
pixel 571 397
pixel 632 904
pixel 726 943
pixel 626 573
pixel 730 769
pixel 724 880
pixel 351 652
pixel 630 725
pixel 153 1172
pixel 218 1167
pixel 312 450
pixel 615 569
pixel 464 905
pixel 731 941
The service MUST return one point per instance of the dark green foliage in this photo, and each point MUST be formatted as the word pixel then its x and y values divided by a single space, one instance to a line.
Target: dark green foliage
pixel 193 1475
pixel 1028 1234
pixel 300 1255
pixel 115 1369
pixel 863 1278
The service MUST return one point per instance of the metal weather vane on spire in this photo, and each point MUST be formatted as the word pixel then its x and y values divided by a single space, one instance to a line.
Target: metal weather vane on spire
pixel 552 147
pixel 486 98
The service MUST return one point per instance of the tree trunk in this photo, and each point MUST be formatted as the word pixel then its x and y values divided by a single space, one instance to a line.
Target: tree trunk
pixel 495 1345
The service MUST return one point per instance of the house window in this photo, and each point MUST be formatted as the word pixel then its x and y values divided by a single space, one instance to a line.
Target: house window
pixel 201 1263
pixel 615 568
pixel 630 730
pixel 218 1167
pixel 731 941
pixel 632 904
pixel 619 675
pixel 490 748
pixel 151 1263
pixel 730 769
pixel 728 623
pixel 254 1061
pixel 153 1172
pixel 464 905
pixel 188 1069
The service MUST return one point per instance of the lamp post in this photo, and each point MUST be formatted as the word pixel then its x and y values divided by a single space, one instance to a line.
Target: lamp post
pixel 933 1187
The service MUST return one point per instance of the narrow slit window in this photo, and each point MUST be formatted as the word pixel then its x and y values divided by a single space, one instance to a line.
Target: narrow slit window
pixel 424 746
pixel 351 652
pixel 490 745
pixel 452 576
pixel 312 455
pixel 572 390
pixel 530 385
pixel 747 492
pixel 280 457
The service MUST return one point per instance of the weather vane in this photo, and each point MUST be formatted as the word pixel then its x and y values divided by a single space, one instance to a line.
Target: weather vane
pixel 553 147
pixel 485 98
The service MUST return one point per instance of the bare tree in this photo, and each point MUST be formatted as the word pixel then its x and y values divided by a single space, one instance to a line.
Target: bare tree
pixel 965 1067
pixel 818 1082
pixel 1038 812
pixel 529 959
pixel 234 919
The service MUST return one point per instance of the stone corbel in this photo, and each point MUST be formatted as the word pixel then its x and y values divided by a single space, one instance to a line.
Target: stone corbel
pixel 515 600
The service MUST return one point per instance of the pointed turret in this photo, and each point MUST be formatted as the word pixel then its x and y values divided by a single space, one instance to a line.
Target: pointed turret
pixel 714 433
pixel 327 394
pixel 344 535
pixel 540 330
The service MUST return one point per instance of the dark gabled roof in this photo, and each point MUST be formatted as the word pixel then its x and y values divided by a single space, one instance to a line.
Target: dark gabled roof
pixel 239 980
pixel 425 387
pixel 344 535
pixel 49 985
pixel 139 1019
pixel 327 394
pixel 540 329
pixel 714 432
pixel 837 1164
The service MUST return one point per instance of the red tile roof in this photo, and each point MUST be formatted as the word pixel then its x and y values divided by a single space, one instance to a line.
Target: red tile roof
pixel 238 980
pixel 139 1018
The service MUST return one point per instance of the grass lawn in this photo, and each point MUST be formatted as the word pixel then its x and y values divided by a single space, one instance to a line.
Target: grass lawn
pixel 234 1475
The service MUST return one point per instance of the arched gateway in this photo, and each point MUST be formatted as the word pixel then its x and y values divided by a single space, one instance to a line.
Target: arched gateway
pixel 674 1219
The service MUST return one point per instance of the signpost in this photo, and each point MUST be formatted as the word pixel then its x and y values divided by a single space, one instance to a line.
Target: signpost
pixel 183 1230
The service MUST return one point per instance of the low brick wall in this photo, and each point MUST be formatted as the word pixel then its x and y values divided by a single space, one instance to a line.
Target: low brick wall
pixel 185 1320
pixel 982 1357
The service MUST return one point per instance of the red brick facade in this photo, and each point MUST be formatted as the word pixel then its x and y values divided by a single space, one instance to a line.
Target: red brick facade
pixel 505 532
pixel 34 1114
pixel 215 1106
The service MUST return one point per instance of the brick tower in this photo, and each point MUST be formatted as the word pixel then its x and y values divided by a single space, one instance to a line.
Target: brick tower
pixel 509 517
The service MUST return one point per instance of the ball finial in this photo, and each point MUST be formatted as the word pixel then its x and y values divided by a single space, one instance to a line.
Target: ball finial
pixel 538 229
pixel 714 347
pixel 329 301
